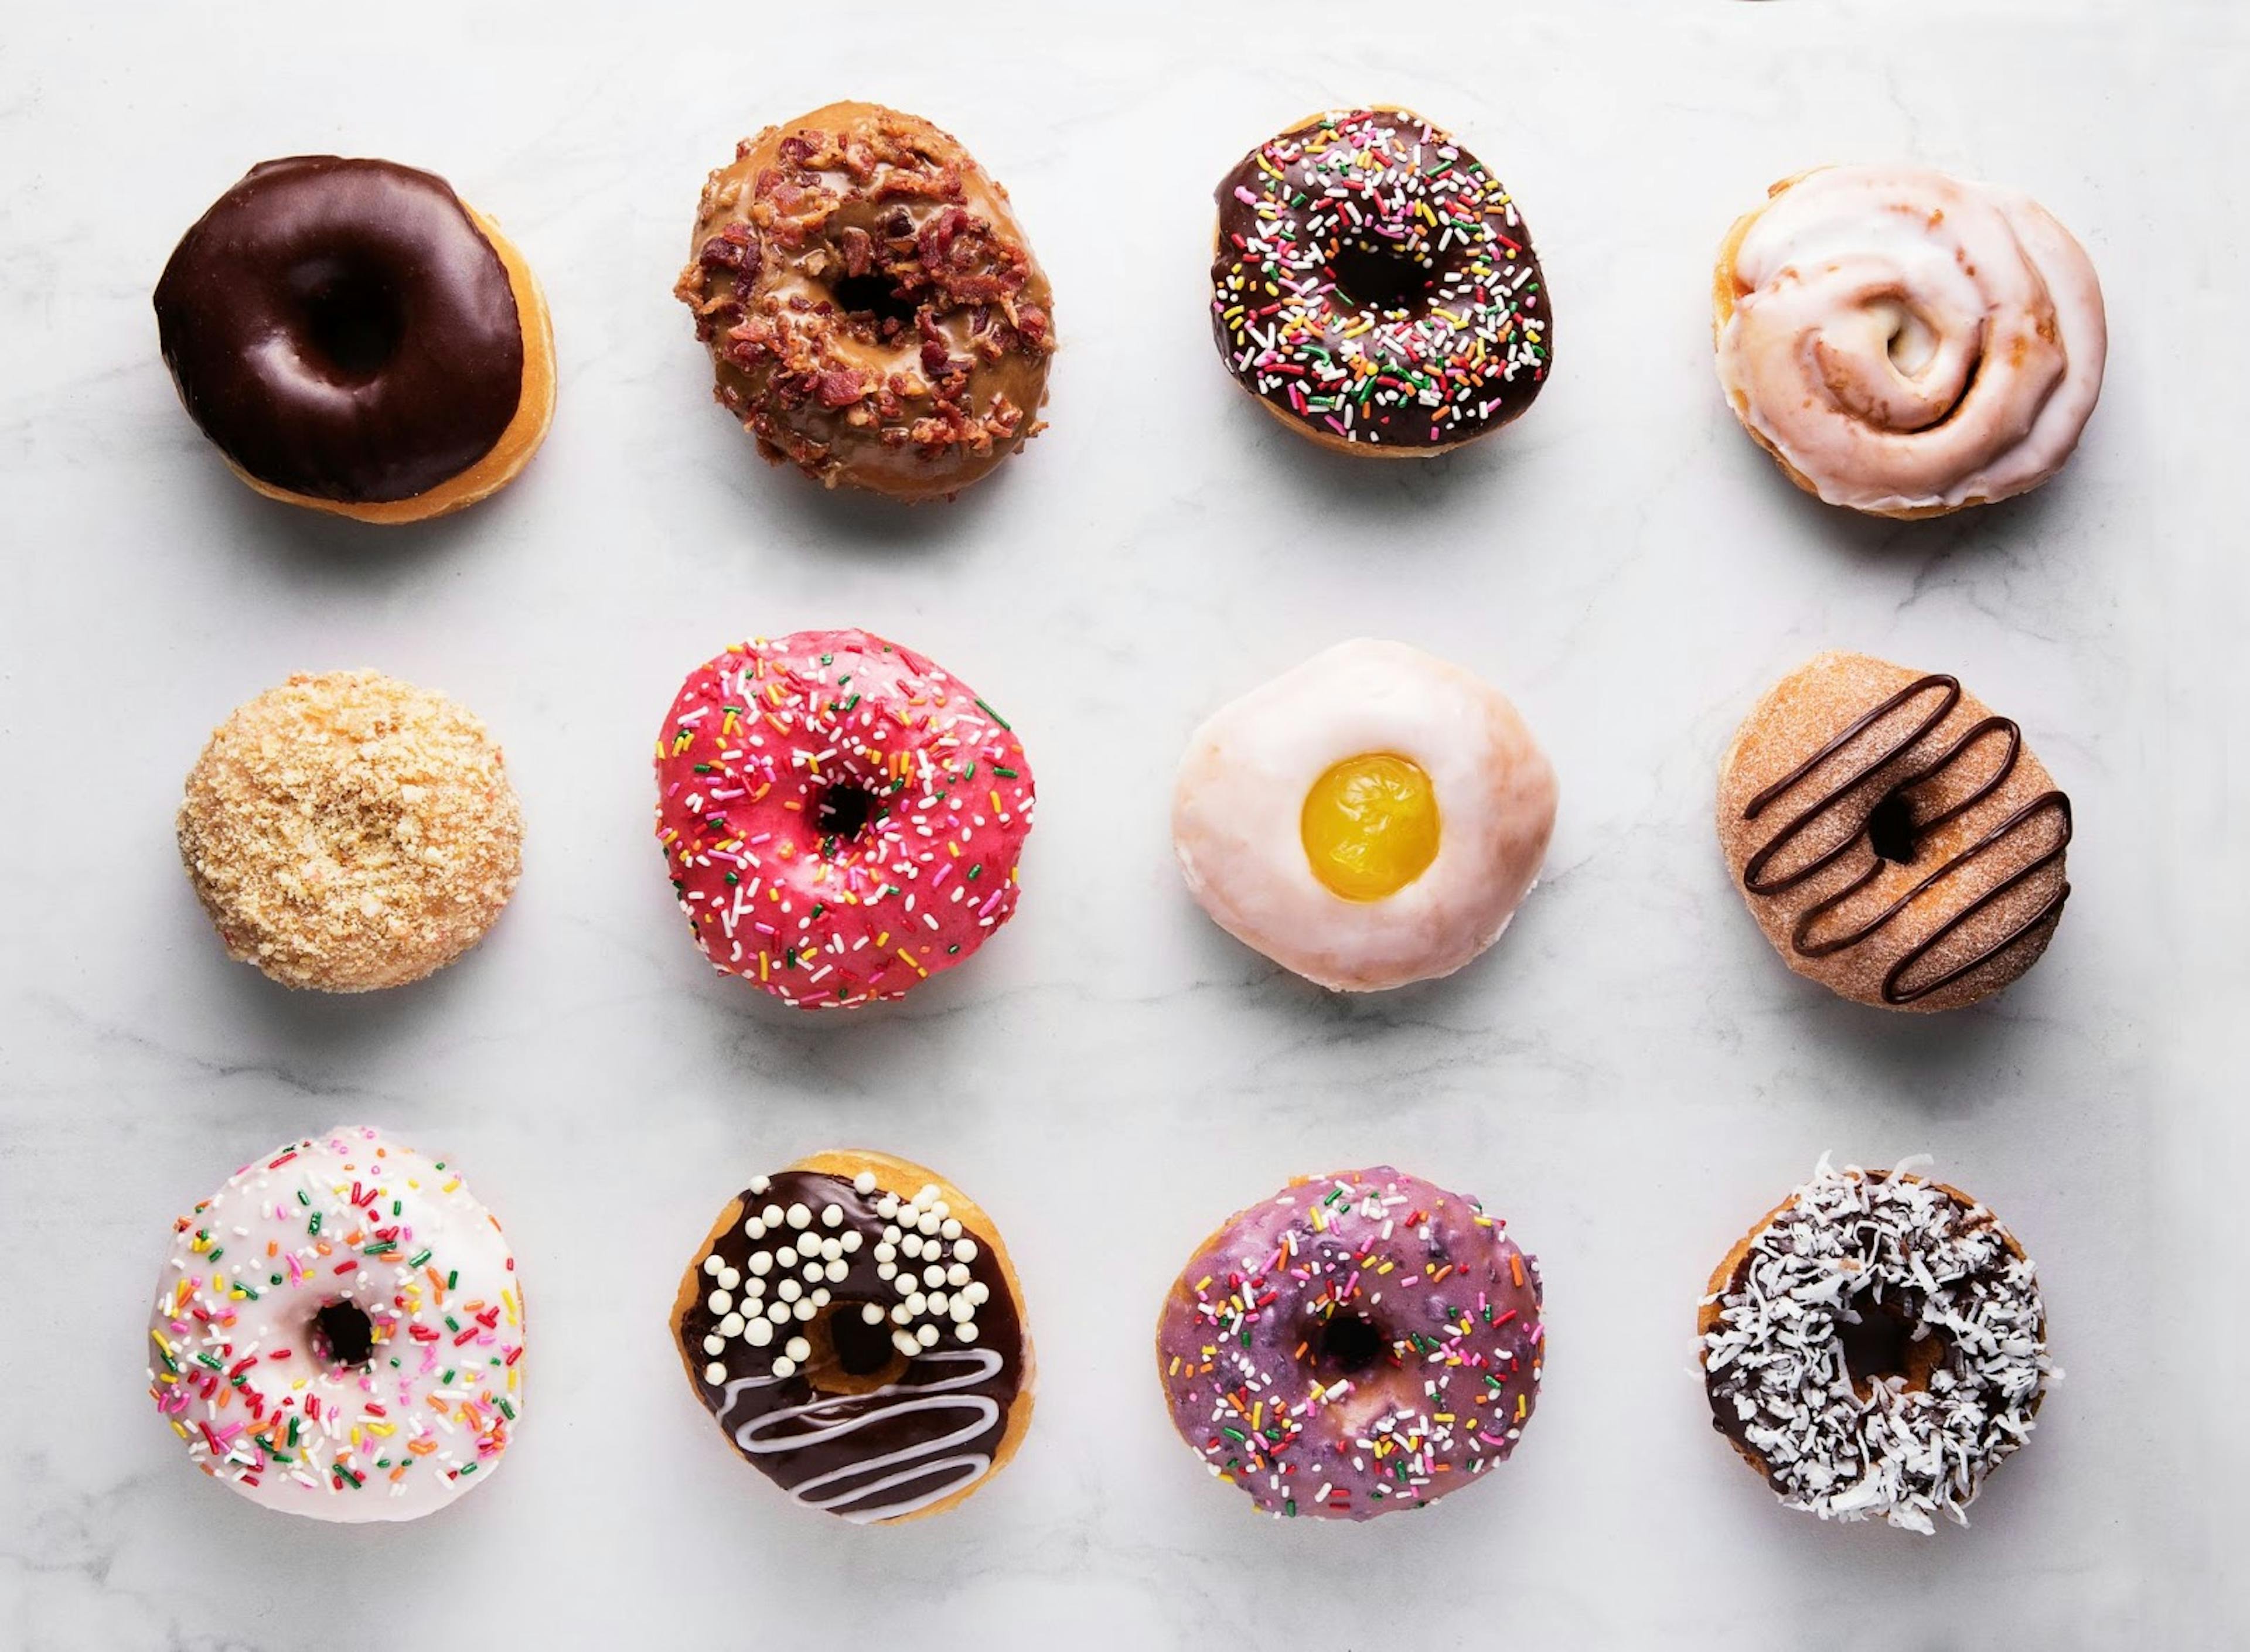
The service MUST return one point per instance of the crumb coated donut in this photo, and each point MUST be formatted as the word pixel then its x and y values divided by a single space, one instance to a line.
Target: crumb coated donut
pixel 1874 1347
pixel 1896 840
pixel 1375 287
pixel 347 831
pixel 1358 1344
pixel 356 339
pixel 1905 343
pixel 856 1328
pixel 1370 818
pixel 873 311
pixel 339 1332
pixel 842 818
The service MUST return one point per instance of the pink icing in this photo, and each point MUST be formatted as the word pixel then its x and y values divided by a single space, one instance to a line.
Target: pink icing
pixel 1359 1343
pixel 843 819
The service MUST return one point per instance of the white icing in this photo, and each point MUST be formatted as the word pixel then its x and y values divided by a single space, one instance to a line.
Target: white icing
pixel 838 1415
pixel 1908 340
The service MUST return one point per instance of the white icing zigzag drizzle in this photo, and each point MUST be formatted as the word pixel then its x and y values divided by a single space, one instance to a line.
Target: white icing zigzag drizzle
pixel 841 1415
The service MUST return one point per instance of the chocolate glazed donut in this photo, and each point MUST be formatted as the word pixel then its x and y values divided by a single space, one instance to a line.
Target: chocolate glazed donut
pixel 353 337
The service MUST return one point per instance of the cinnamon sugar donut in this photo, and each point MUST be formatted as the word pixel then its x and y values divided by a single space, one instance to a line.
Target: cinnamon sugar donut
pixel 1874 1347
pixel 1895 839
pixel 1905 343
pixel 856 1328
pixel 874 312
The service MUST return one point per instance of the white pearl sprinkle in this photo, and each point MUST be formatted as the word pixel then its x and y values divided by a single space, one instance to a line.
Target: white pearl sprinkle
pixel 900 1315
pixel 798 1349
pixel 886 1271
pixel 851 1243
pixel 789 1291
pixel 939 1208
pixel 831 1249
pixel 956 1276
pixel 929 1194
pixel 950 1228
pixel 712 1265
pixel 714 1344
pixel 753 1288
pixel 929 1223
pixel 777 1312
pixel 980 1293
pixel 758 1332
pixel 785 1257
pixel 887 1253
pixel 864 1182
pixel 891 1235
pixel 927 1336
pixel 771 1215
pixel 719 1302
pixel 784 1368
pixel 838 1271
pixel 917 1305
pixel 905 1343
pixel 904 1285
pixel 763 1263
pixel 803 1310
pixel 965 1251
pixel 911 1244
pixel 754 1228
pixel 759 1184
pixel 937 1301
pixel 888 1207
pixel 715 1374
pixel 964 1309
pixel 831 1215
pixel 729 1277
pixel 871 1314
pixel 799 1216
pixel 933 1275
pixel 966 1331
pixel 731 1325
pixel 819 1298
pixel 813 1271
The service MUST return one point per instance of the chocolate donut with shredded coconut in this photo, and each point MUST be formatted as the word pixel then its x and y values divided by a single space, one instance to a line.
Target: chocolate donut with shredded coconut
pixel 1876 1348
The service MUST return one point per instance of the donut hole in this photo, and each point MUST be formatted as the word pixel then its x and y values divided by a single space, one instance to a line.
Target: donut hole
pixel 1881 1347
pixel 1890 830
pixel 1349 1343
pixel 851 1353
pixel 342 1334
pixel 1380 275
pixel 354 317
pixel 876 296
pixel 842 812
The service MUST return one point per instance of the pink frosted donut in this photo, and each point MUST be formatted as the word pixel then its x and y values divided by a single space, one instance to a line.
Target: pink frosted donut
pixel 842 818
pixel 1357 1344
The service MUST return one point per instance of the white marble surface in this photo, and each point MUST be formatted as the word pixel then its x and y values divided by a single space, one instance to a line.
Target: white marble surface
pixel 1630 1076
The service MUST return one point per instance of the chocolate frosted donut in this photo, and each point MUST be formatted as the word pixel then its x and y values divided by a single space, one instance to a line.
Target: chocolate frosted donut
pixel 855 1326
pixel 354 337
pixel 1357 1344
pixel 874 313
pixel 1874 1347
pixel 1896 841
pixel 1374 288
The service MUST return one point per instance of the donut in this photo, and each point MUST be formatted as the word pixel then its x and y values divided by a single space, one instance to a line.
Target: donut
pixel 1896 840
pixel 1357 1344
pixel 1370 818
pixel 1374 287
pixel 855 1326
pixel 842 818
pixel 1905 343
pixel 347 831
pixel 874 312
pixel 1874 1347
pixel 339 1332
pixel 354 339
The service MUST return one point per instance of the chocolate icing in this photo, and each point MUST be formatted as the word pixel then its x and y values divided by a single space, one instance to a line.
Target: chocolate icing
pixel 1948 692
pixel 1328 229
pixel 867 1455
pixel 342 329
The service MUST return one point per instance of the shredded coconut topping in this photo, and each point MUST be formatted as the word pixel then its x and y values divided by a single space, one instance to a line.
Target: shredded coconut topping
pixel 1849 1246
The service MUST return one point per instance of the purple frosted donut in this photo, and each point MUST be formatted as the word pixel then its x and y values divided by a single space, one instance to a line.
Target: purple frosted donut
pixel 1356 1344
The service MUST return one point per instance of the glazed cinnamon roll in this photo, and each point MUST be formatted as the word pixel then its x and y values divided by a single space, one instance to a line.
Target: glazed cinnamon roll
pixel 1905 343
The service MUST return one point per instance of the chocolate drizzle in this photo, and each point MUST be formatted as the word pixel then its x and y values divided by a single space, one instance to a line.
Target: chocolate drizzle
pixel 864 1440
pixel 1802 937
pixel 342 329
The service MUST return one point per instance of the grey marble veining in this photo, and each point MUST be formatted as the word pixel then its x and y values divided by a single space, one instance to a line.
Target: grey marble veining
pixel 1630 1076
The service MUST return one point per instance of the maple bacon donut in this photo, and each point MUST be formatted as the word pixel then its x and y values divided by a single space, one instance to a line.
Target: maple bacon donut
pixel 339 1332
pixel 873 311
pixel 1357 1344
pixel 1905 343
pixel 1874 1347
pixel 1369 819
pixel 1894 838
pixel 843 819
pixel 854 1325
pixel 1374 288
pixel 355 339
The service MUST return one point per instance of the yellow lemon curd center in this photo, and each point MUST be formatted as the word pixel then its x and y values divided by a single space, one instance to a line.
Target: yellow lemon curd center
pixel 1371 825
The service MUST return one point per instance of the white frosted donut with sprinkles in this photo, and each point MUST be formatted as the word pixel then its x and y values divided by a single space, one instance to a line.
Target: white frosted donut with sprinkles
pixel 1376 288
pixel 842 817
pixel 855 1326
pixel 1875 1347
pixel 339 1332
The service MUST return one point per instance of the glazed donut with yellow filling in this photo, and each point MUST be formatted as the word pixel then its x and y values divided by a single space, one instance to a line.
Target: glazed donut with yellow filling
pixel 1905 343
pixel 856 1328
pixel 874 312
pixel 1369 819
pixel 355 338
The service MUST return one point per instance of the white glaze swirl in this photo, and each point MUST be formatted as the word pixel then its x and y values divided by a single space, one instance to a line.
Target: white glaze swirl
pixel 1908 342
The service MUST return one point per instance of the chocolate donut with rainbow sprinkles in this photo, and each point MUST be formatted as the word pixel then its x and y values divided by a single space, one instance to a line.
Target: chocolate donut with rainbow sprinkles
pixel 1374 288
